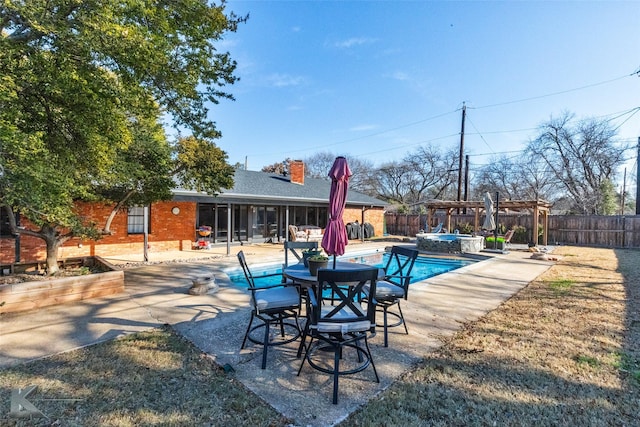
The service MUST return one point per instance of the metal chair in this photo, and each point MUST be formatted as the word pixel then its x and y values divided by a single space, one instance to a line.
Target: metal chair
pixel 292 248
pixel 345 325
pixel 273 305
pixel 394 287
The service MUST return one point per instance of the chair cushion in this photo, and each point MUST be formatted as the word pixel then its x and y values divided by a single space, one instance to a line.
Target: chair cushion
pixel 270 299
pixel 344 327
pixel 386 289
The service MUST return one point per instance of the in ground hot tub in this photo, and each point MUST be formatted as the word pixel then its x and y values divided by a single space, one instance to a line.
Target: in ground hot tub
pixel 449 242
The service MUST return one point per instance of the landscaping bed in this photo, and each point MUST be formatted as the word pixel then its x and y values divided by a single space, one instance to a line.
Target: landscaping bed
pixel 24 287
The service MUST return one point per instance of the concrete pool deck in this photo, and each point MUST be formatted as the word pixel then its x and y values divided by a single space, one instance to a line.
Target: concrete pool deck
pixel 156 294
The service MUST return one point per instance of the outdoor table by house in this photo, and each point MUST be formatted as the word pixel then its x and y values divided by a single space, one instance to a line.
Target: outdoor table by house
pixel 300 274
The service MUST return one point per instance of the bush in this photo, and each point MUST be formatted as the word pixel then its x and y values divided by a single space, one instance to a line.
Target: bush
pixel 465 228
pixel 520 235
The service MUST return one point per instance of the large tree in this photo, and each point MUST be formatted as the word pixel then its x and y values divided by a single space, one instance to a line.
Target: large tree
pixel 583 157
pixel 318 166
pixel 519 178
pixel 82 87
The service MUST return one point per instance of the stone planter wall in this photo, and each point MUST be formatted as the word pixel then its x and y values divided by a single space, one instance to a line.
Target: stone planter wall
pixel 460 244
pixel 33 295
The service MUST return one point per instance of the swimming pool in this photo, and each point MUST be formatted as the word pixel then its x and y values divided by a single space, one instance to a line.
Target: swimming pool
pixel 424 267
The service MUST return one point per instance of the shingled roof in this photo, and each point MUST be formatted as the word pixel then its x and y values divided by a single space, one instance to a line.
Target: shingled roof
pixel 251 186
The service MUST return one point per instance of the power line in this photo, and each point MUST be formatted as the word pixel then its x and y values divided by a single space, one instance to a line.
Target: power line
pixel 633 111
pixel 478 132
pixel 555 93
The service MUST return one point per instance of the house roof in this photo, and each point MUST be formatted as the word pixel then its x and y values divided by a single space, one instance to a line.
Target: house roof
pixel 252 186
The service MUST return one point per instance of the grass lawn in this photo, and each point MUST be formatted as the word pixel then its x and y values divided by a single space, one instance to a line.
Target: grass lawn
pixel 563 351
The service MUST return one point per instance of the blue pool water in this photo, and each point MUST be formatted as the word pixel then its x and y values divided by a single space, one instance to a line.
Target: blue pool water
pixel 424 268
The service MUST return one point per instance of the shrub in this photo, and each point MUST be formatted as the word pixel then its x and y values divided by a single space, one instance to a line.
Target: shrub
pixel 520 234
pixel 465 228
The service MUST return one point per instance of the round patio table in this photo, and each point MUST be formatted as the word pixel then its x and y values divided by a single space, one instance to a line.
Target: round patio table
pixel 300 274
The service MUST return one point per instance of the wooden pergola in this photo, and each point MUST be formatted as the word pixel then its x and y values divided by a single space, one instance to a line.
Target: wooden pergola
pixel 539 208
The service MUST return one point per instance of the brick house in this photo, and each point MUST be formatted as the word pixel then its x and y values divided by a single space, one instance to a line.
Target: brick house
pixel 258 208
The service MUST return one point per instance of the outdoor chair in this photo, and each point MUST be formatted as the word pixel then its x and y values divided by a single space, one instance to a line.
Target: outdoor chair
pixel 292 248
pixel 437 229
pixel 274 305
pixel 394 287
pixel 341 330
pixel 507 238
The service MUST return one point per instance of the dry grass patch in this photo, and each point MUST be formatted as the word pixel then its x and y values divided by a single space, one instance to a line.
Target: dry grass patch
pixel 563 351
pixel 149 378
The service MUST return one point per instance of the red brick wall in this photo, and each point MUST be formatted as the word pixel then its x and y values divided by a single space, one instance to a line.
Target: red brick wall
pixel 167 232
pixel 373 216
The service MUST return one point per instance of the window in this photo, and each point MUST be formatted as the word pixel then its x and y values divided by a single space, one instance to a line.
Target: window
pixel 135 220
pixel 4 223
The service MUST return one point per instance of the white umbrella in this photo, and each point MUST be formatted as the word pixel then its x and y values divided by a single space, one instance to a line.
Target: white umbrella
pixel 489 222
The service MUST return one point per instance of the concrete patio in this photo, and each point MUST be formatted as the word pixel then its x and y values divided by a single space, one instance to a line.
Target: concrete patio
pixel 156 294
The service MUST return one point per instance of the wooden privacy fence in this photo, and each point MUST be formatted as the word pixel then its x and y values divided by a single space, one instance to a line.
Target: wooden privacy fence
pixel 615 231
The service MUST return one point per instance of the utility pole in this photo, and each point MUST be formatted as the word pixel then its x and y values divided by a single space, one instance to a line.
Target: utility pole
pixel 466 180
pixel 624 191
pixel 464 115
pixel 638 178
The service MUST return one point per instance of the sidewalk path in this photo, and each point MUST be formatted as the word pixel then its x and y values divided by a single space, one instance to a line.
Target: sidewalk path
pixel 157 294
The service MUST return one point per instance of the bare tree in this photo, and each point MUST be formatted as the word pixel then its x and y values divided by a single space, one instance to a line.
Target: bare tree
pixel 519 178
pixel 392 183
pixel 319 164
pixel 583 158
pixel 426 173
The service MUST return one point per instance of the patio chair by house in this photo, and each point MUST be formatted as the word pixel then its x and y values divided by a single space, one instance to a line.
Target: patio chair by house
pixel 275 306
pixel 342 328
pixel 292 248
pixel 395 287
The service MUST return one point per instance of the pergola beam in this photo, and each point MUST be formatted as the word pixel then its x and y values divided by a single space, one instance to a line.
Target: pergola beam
pixel 539 208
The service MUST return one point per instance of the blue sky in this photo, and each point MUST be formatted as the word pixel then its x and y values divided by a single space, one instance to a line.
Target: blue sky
pixel 377 79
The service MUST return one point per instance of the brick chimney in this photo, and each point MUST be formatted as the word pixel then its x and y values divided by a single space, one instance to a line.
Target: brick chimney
pixel 296 171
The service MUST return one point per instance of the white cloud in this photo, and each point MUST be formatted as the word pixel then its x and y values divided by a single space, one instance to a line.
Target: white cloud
pixel 354 41
pixel 363 128
pixel 400 75
pixel 283 80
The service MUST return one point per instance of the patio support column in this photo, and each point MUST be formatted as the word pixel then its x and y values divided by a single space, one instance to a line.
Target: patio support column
pixel 449 220
pixel 229 229
pixel 536 219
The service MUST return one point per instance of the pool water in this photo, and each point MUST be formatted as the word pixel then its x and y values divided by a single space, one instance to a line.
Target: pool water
pixel 424 268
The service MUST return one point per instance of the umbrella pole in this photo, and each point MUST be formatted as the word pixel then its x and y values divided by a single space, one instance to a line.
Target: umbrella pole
pixel 334 261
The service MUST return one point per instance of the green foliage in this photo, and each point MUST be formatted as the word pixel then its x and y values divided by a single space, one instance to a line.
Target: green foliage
pixel 608 198
pixel 402 209
pixel 520 234
pixel 202 166
pixel 561 286
pixel 465 228
pixel 83 87
pixel 587 360
pixel 319 257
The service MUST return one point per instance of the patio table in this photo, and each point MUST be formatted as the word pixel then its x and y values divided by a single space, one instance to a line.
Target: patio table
pixel 300 274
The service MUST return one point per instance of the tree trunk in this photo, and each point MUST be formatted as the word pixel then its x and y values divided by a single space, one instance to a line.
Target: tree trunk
pixel 52 257
pixel 53 241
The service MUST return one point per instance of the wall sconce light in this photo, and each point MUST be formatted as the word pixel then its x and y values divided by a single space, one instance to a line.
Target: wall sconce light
pixel 175 210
